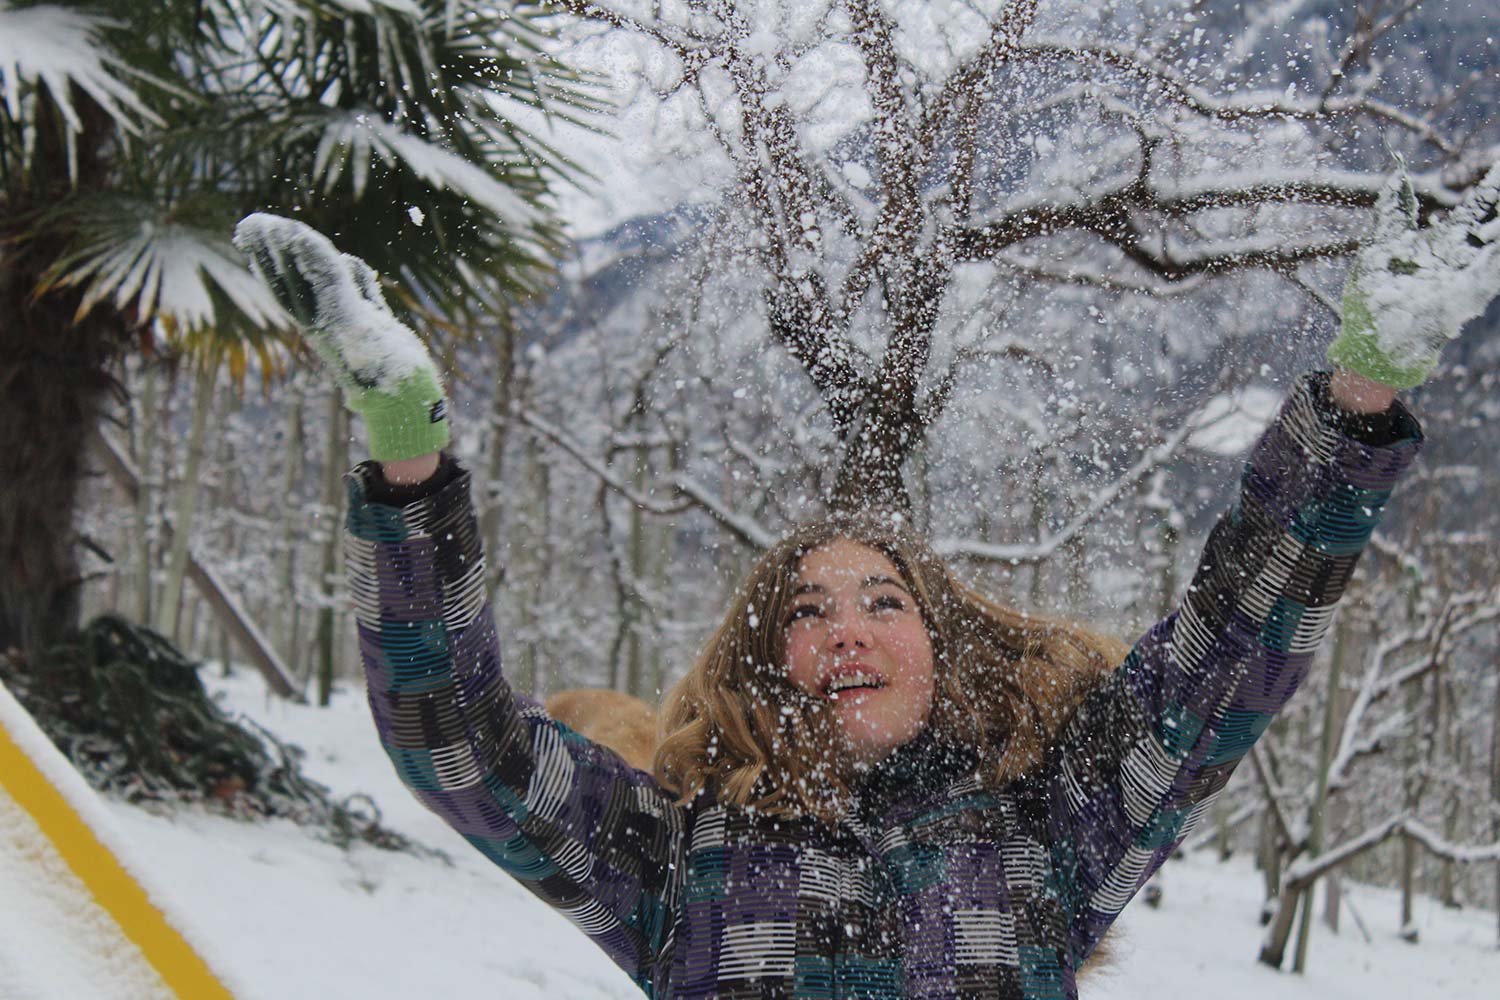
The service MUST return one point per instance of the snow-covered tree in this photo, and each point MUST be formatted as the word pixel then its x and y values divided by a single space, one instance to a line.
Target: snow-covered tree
pixel 893 170
pixel 132 136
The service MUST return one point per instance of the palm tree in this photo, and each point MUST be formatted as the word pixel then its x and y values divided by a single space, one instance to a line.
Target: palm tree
pixel 133 135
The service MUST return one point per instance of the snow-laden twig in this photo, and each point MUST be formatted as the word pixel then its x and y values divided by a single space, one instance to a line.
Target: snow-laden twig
pixel 1292 831
pixel 742 526
pixel 1045 548
pixel 1461 613
pixel 573 448
pixel 1076 274
pixel 1261 104
pixel 687 492
pixel 1304 872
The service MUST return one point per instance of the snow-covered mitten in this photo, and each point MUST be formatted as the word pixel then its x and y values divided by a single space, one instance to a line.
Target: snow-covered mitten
pixel 386 374
pixel 1412 290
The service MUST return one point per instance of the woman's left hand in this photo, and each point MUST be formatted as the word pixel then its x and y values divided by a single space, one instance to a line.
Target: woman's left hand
pixel 1412 290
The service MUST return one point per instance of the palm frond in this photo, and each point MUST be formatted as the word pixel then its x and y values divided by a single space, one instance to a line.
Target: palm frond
pixel 46 51
pixel 417 133
pixel 355 141
pixel 161 270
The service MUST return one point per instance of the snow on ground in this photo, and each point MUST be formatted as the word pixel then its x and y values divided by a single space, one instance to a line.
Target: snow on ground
pixel 300 918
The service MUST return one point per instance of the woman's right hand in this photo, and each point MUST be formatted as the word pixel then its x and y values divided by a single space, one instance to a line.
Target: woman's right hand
pixel 385 372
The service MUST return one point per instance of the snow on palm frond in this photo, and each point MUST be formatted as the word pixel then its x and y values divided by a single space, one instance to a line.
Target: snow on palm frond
pixel 409 7
pixel 57 49
pixel 356 141
pixel 301 9
pixel 169 272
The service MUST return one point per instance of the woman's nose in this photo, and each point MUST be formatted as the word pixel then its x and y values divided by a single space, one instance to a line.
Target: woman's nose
pixel 846 632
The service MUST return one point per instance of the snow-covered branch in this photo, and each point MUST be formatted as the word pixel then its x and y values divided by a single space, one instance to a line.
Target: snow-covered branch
pixel 1264 105
pixel 1304 872
pixel 579 453
pixel 1101 500
pixel 686 491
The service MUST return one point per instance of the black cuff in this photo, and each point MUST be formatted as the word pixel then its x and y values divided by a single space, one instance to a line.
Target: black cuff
pixel 379 491
pixel 1375 429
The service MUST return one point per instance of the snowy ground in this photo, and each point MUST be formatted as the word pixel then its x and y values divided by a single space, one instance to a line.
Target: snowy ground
pixel 300 918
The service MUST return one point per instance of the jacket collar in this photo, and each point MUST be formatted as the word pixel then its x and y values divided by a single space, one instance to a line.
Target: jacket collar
pixel 913 776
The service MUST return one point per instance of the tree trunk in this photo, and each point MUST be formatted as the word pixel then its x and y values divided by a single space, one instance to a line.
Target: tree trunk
pixel 145 438
pixel 336 458
pixel 540 577
pixel 53 385
pixel 1408 889
pixel 187 503
pixel 1274 949
pixel 1040 497
pixel 1326 741
pixel 54 380
pixel 1413 799
pixel 492 516
pixel 1454 751
pixel 1333 891
pixel 1305 917
pixel 869 475
pixel 1495 796
pixel 289 618
pixel 635 617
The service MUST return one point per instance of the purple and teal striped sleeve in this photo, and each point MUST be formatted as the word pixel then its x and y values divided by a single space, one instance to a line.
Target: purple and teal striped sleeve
pixel 591 836
pixel 1146 754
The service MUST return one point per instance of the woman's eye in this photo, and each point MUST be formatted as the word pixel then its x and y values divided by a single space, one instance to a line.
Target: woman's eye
pixel 887 602
pixel 803 611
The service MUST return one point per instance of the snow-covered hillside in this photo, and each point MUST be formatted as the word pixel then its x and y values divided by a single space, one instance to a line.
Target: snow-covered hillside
pixel 301 918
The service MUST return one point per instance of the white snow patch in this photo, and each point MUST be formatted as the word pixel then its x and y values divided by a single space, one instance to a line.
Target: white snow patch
pixel 58 48
pixel 299 918
pixel 1422 286
pixel 1230 422
pixel 55 939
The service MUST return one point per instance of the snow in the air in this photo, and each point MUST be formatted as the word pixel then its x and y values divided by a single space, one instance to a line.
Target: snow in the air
pixel 296 917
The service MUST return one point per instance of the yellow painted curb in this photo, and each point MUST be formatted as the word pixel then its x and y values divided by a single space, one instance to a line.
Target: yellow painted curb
pixel 113 887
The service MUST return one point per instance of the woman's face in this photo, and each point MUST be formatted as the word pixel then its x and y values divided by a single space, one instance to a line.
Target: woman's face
pixel 852 620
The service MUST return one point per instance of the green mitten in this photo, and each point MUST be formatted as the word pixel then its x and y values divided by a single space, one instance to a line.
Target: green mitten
pixel 1411 291
pixel 386 374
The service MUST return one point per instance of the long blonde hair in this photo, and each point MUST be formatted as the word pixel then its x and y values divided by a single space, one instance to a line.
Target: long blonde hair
pixel 736 728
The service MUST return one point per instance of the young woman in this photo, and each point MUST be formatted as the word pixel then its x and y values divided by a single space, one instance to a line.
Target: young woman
pixel 874 782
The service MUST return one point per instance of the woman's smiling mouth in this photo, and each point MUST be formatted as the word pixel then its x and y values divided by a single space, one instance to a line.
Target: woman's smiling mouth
pixel 852 678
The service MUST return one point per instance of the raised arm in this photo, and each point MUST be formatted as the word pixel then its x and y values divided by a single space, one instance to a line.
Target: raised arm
pixel 1149 751
pixel 591 836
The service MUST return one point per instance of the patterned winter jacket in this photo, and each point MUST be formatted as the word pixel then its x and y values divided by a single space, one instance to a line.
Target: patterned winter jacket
pixel 933 887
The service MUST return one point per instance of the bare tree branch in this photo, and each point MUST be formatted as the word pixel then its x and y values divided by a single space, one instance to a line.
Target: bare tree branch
pixel 686 491
pixel 1144 67
pixel 1038 551
pixel 1303 873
